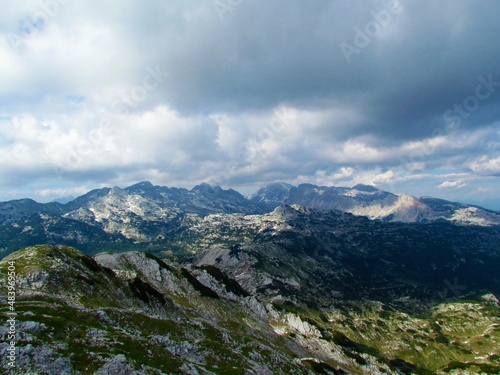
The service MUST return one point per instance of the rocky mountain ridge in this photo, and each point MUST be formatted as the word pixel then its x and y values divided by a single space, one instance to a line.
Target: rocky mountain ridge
pixel 134 313
pixel 148 217
pixel 159 202
pixel 360 257
pixel 364 200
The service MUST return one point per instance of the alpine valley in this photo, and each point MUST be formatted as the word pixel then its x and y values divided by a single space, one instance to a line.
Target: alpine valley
pixel 290 280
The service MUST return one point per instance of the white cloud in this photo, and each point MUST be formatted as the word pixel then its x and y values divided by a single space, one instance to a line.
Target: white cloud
pixel 74 192
pixel 375 178
pixel 482 190
pixel 348 176
pixel 486 165
pixel 343 173
pixel 452 184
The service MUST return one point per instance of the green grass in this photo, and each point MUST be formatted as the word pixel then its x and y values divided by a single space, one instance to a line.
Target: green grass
pixel 452 333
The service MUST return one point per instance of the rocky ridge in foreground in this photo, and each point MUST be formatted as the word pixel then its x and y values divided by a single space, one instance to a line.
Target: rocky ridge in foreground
pixel 134 313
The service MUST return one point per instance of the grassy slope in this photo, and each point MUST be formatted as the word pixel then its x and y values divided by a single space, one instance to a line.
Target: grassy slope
pixel 460 337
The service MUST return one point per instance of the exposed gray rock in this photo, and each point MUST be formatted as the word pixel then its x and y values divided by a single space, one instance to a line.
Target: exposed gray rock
pixel 31 326
pixel 363 200
pixel 118 365
pixel 296 323
pixel 37 359
pixel 185 350
pixel 131 264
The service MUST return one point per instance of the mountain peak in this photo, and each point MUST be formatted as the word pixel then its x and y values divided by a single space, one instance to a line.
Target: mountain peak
pixel 141 188
pixel 279 185
pixel 276 192
pixel 143 184
pixel 33 255
pixel 205 186
pixel 117 191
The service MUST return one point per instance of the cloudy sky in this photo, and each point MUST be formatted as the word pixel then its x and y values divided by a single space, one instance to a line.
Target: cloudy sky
pixel 403 95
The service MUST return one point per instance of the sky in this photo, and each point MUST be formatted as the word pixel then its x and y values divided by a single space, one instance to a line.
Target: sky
pixel 403 95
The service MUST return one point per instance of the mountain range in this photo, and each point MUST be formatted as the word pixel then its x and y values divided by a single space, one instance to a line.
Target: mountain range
pixel 152 215
pixel 289 280
pixel 365 200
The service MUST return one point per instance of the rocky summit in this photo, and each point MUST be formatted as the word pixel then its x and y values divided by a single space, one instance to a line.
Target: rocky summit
pixel 290 280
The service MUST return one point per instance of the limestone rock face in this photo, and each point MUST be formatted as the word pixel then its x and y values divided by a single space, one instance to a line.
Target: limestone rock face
pixel 363 200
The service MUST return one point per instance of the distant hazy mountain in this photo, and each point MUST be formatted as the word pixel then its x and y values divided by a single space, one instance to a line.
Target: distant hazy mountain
pixel 64 200
pixel 154 215
pixel 363 200
pixel 14 210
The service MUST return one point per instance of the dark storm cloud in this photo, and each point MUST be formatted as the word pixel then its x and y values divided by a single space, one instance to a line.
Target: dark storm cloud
pixel 426 58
